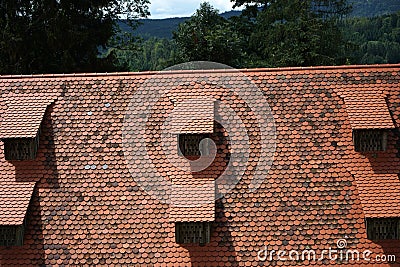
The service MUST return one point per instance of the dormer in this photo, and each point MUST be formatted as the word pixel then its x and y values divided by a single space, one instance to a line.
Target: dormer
pixel 193 145
pixel 370 140
pixel 21 148
pixel 20 125
pixel 193 123
pixel 383 228
pixel 370 121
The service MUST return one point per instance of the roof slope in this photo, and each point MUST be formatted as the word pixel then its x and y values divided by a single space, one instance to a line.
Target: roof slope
pixel 88 209
pixel 368 112
pixel 193 116
pixel 14 201
pixel 192 200
pixel 23 114
pixel 379 195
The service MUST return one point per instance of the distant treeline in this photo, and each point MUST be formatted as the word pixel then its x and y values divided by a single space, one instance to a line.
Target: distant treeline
pixel 163 28
pixel 155 54
pixel 373 40
pixel 369 41
pixel 372 8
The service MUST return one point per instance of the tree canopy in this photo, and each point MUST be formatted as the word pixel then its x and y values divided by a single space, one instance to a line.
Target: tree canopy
pixel 55 36
pixel 208 36
pixel 294 32
pixel 375 40
pixel 154 54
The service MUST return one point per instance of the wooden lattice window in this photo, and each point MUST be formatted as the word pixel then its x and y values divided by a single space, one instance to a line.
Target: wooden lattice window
pixel 191 145
pixel 21 148
pixel 370 140
pixel 383 228
pixel 192 232
pixel 11 235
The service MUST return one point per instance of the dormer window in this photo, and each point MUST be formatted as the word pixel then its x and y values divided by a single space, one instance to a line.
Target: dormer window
pixel 16 196
pixel 369 140
pixel 370 120
pixel 11 235
pixel 20 125
pixel 21 148
pixel 192 232
pixel 19 132
pixel 193 144
pixel 383 228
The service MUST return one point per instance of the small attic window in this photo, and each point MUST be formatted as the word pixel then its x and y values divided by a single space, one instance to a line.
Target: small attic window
pixel 191 145
pixel 21 148
pixel 192 232
pixel 383 228
pixel 370 140
pixel 11 235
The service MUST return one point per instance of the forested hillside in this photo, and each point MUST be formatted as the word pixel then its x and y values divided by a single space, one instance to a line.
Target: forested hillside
pixel 373 40
pixel 163 28
pixel 372 8
pixel 366 41
pixel 155 54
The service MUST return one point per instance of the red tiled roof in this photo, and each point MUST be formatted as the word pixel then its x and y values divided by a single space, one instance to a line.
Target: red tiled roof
pixel 192 200
pixel 193 116
pixel 368 112
pixel 90 210
pixel 379 194
pixel 14 201
pixel 23 115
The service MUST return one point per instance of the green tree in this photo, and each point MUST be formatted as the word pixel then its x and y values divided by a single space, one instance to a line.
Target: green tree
pixel 207 36
pixel 55 36
pixel 294 32
pixel 377 40
pixel 154 54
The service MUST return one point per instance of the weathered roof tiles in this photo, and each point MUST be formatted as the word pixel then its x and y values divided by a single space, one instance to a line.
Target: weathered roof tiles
pixel 88 209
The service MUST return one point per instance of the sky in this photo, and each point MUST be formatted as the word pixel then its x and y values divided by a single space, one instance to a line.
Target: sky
pixel 161 9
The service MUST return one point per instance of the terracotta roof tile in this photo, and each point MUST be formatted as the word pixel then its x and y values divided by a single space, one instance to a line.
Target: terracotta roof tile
pixel 23 115
pixel 192 200
pixel 192 116
pixel 368 112
pixel 379 194
pixel 89 208
pixel 14 201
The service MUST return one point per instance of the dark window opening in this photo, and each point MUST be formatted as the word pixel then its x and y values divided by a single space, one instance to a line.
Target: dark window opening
pixel 370 140
pixel 11 235
pixel 192 145
pixel 192 232
pixel 21 148
pixel 383 228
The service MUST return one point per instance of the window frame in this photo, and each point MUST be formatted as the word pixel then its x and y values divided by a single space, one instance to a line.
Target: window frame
pixel 365 140
pixel 201 232
pixel 375 224
pixel 12 235
pixel 183 139
pixel 30 145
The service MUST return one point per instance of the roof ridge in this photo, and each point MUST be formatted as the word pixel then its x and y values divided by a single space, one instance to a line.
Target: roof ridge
pixel 280 69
